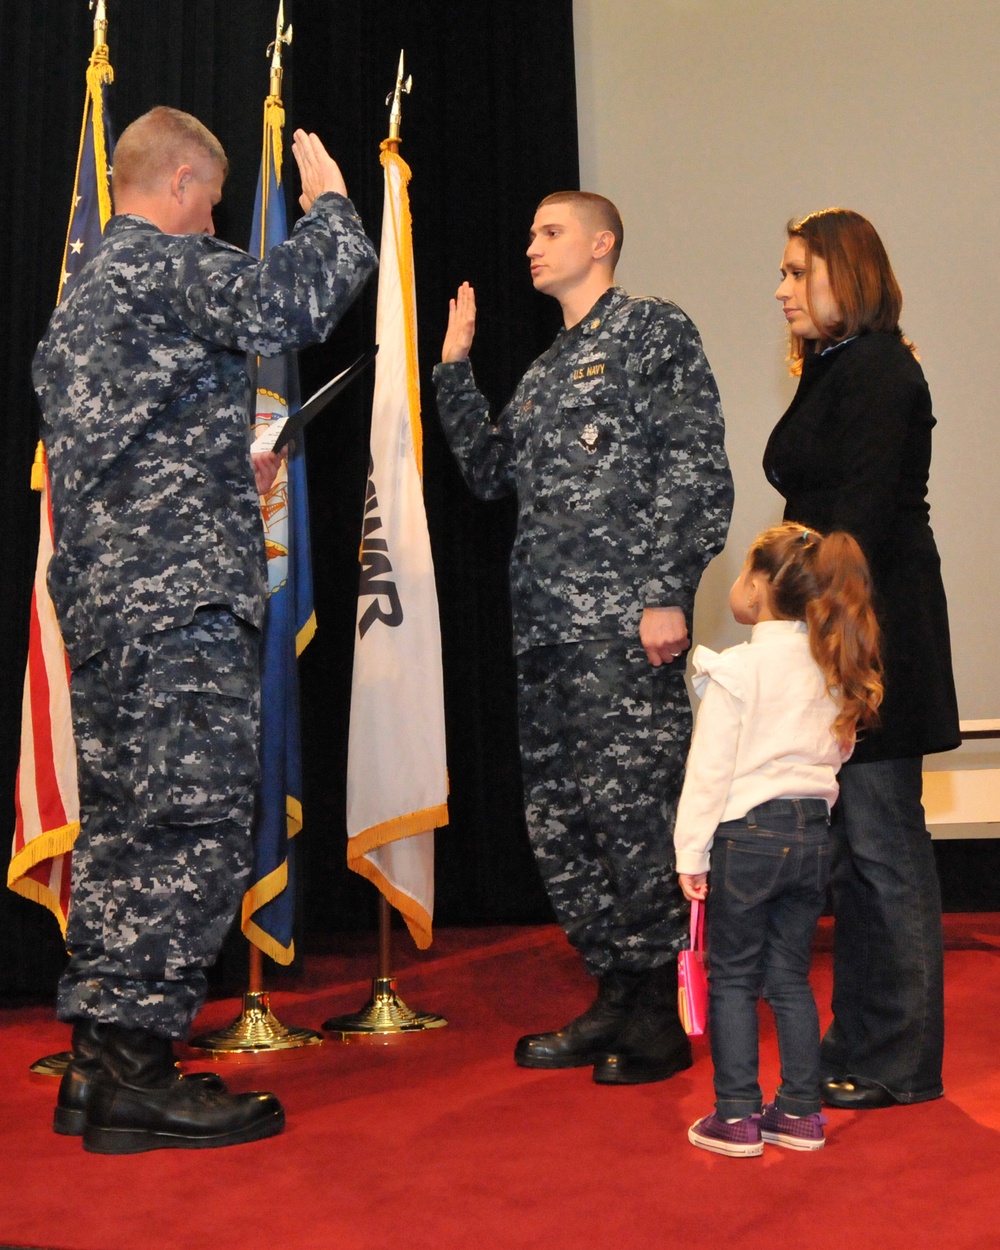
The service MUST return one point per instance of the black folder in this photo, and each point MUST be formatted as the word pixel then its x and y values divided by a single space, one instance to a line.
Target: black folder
pixel 316 403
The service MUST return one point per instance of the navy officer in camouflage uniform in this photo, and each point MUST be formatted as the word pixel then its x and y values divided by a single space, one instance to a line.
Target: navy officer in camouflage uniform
pixel 159 584
pixel 613 445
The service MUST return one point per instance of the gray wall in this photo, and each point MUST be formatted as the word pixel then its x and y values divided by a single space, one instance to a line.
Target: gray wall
pixel 711 122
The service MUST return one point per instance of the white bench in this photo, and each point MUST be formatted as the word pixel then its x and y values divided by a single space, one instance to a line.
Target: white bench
pixel 964 802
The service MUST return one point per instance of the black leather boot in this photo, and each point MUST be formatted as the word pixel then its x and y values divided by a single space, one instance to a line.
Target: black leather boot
pixel 652 1044
pixel 137 1102
pixel 584 1040
pixel 85 1067
pixel 77 1081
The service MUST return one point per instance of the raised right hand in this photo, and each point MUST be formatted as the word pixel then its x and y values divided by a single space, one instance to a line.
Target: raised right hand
pixel 461 325
pixel 317 168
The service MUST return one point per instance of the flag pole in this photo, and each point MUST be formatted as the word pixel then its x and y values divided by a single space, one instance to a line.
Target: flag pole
pixel 256 1030
pixel 53 844
pixel 385 1014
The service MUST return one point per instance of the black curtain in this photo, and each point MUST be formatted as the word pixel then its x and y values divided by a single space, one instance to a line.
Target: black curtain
pixel 490 128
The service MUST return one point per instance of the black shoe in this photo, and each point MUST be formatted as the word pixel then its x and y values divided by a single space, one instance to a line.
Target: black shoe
pixel 78 1079
pixel 584 1040
pixel 84 1068
pixel 855 1094
pixel 653 1045
pixel 137 1103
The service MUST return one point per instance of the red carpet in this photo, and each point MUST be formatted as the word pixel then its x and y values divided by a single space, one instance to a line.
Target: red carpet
pixel 440 1143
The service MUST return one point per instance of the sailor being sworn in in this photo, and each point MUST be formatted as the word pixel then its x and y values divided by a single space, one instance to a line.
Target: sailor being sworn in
pixel 613 445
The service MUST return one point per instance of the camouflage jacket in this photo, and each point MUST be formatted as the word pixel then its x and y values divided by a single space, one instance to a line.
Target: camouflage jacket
pixel 613 443
pixel 145 395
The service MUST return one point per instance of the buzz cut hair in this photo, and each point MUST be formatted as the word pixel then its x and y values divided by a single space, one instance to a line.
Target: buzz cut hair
pixel 156 144
pixel 597 210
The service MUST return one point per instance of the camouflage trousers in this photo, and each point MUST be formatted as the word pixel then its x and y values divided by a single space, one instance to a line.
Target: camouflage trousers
pixel 166 729
pixel 604 740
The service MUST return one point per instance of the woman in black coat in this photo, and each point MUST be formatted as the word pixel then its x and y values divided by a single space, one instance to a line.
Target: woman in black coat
pixel 853 453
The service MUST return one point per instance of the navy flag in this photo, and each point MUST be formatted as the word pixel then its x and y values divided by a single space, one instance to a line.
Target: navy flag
pixel 269 903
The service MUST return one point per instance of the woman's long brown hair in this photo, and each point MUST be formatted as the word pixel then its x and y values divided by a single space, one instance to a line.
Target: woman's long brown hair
pixel 862 282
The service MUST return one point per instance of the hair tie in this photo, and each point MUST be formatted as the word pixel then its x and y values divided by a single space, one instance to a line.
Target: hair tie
pixel 805 536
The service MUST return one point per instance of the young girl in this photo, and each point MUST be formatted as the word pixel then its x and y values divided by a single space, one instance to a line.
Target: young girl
pixel 777 719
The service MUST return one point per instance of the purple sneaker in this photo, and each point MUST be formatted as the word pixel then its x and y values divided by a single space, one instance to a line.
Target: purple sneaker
pixel 802 1133
pixel 739 1139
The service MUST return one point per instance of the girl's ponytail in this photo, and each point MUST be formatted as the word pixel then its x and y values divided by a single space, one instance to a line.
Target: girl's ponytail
pixel 825 582
pixel 844 634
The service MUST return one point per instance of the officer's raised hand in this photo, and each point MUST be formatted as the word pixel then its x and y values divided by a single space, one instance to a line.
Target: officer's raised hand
pixel 461 325
pixel 317 169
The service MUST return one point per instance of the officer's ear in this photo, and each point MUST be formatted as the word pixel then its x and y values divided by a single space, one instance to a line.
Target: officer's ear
pixel 181 179
pixel 604 243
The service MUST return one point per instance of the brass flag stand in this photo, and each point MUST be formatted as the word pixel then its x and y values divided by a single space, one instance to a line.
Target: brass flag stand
pixel 385 1016
pixel 256 1030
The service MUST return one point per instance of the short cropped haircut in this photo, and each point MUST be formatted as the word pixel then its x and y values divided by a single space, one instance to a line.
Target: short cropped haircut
pixel 598 211
pixel 158 143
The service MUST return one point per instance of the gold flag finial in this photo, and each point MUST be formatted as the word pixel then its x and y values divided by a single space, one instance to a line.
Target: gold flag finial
pixel 396 113
pixel 282 37
pixel 100 23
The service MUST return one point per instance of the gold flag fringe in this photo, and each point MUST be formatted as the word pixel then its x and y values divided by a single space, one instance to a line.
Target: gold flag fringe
pixel 99 73
pixel 38 468
pixel 273 156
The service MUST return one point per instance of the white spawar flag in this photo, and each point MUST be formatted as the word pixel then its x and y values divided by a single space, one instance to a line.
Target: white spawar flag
pixel 397 777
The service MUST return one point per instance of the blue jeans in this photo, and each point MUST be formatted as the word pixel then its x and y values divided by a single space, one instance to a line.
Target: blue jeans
pixel 769 874
pixel 888 962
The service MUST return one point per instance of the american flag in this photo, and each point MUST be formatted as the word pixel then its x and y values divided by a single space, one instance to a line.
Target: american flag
pixel 47 815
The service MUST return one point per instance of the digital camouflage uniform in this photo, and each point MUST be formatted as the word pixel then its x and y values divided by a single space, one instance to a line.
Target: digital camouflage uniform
pixel 613 444
pixel 164 856
pixel 159 583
